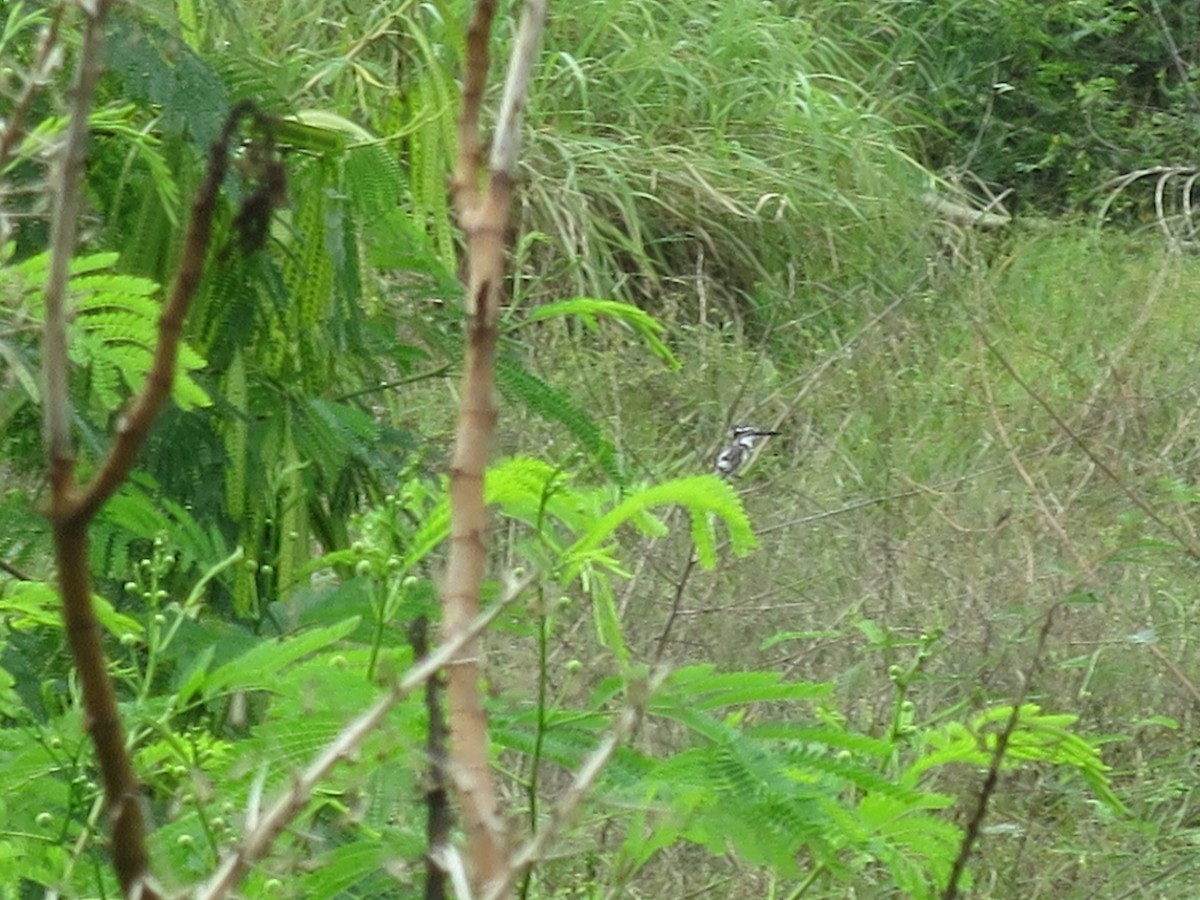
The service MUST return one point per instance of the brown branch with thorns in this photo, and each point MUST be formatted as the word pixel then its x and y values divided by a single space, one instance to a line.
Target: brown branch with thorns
pixel 71 509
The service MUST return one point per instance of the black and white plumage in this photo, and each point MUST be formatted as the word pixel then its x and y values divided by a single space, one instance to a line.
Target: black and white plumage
pixel 741 442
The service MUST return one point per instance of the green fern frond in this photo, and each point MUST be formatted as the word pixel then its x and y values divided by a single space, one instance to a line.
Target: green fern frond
pixel 518 384
pixel 25 605
pixel 431 144
pixel 260 667
pixel 121 292
pixel 588 310
pixel 115 327
pixel 705 497
pixel 308 276
pixel 137 515
pixel 706 688
pixel 525 489
pixel 250 78
pixel 1037 737
pixel 331 435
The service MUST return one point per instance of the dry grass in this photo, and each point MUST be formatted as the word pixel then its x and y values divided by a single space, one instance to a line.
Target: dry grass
pixel 922 491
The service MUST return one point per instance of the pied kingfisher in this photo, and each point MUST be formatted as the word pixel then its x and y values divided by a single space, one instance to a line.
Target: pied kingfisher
pixel 735 453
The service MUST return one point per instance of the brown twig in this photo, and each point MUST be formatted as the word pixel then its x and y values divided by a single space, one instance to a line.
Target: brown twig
pixel 483 218
pixel 660 646
pixel 12 571
pixel 71 511
pixel 130 856
pixel 47 59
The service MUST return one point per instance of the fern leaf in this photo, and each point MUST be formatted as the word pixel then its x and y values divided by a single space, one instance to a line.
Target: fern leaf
pixel 524 488
pixel 518 384
pixel 292 514
pixel 115 328
pixel 308 275
pixel 258 668
pixel 588 309
pixel 702 496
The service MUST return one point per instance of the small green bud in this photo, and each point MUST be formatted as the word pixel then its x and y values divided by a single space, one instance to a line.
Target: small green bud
pixel 44 820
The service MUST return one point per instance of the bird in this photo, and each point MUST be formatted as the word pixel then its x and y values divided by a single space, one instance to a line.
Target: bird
pixel 735 453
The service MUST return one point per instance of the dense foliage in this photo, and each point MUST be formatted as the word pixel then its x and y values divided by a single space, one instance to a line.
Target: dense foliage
pixel 1051 100
pixel 971 540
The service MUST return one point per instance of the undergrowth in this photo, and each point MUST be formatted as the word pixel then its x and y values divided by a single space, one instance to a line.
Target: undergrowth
pixel 980 434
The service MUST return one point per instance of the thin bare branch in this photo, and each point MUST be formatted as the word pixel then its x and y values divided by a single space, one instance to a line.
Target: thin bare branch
pixel 262 832
pixel 64 231
pixel 507 143
pixel 992 778
pixel 71 513
pixel 465 186
pixel 46 62
pixel 439 819
pixel 129 853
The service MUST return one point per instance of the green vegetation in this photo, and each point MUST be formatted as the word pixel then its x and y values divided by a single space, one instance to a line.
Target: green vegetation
pixel 971 553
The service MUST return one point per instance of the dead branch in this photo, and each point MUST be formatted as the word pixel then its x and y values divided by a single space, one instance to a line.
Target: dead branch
pixel 483 219
pixel 992 778
pixel 130 857
pixel 263 828
pixel 71 511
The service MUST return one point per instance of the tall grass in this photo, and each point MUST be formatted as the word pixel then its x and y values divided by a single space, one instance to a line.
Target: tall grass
pixel 731 143
pixel 921 492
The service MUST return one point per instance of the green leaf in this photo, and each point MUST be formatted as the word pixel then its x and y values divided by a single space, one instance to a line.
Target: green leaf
pixel 518 384
pixel 589 309
pixel 34 604
pixel 257 668
pixel 705 497
pixel 115 327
